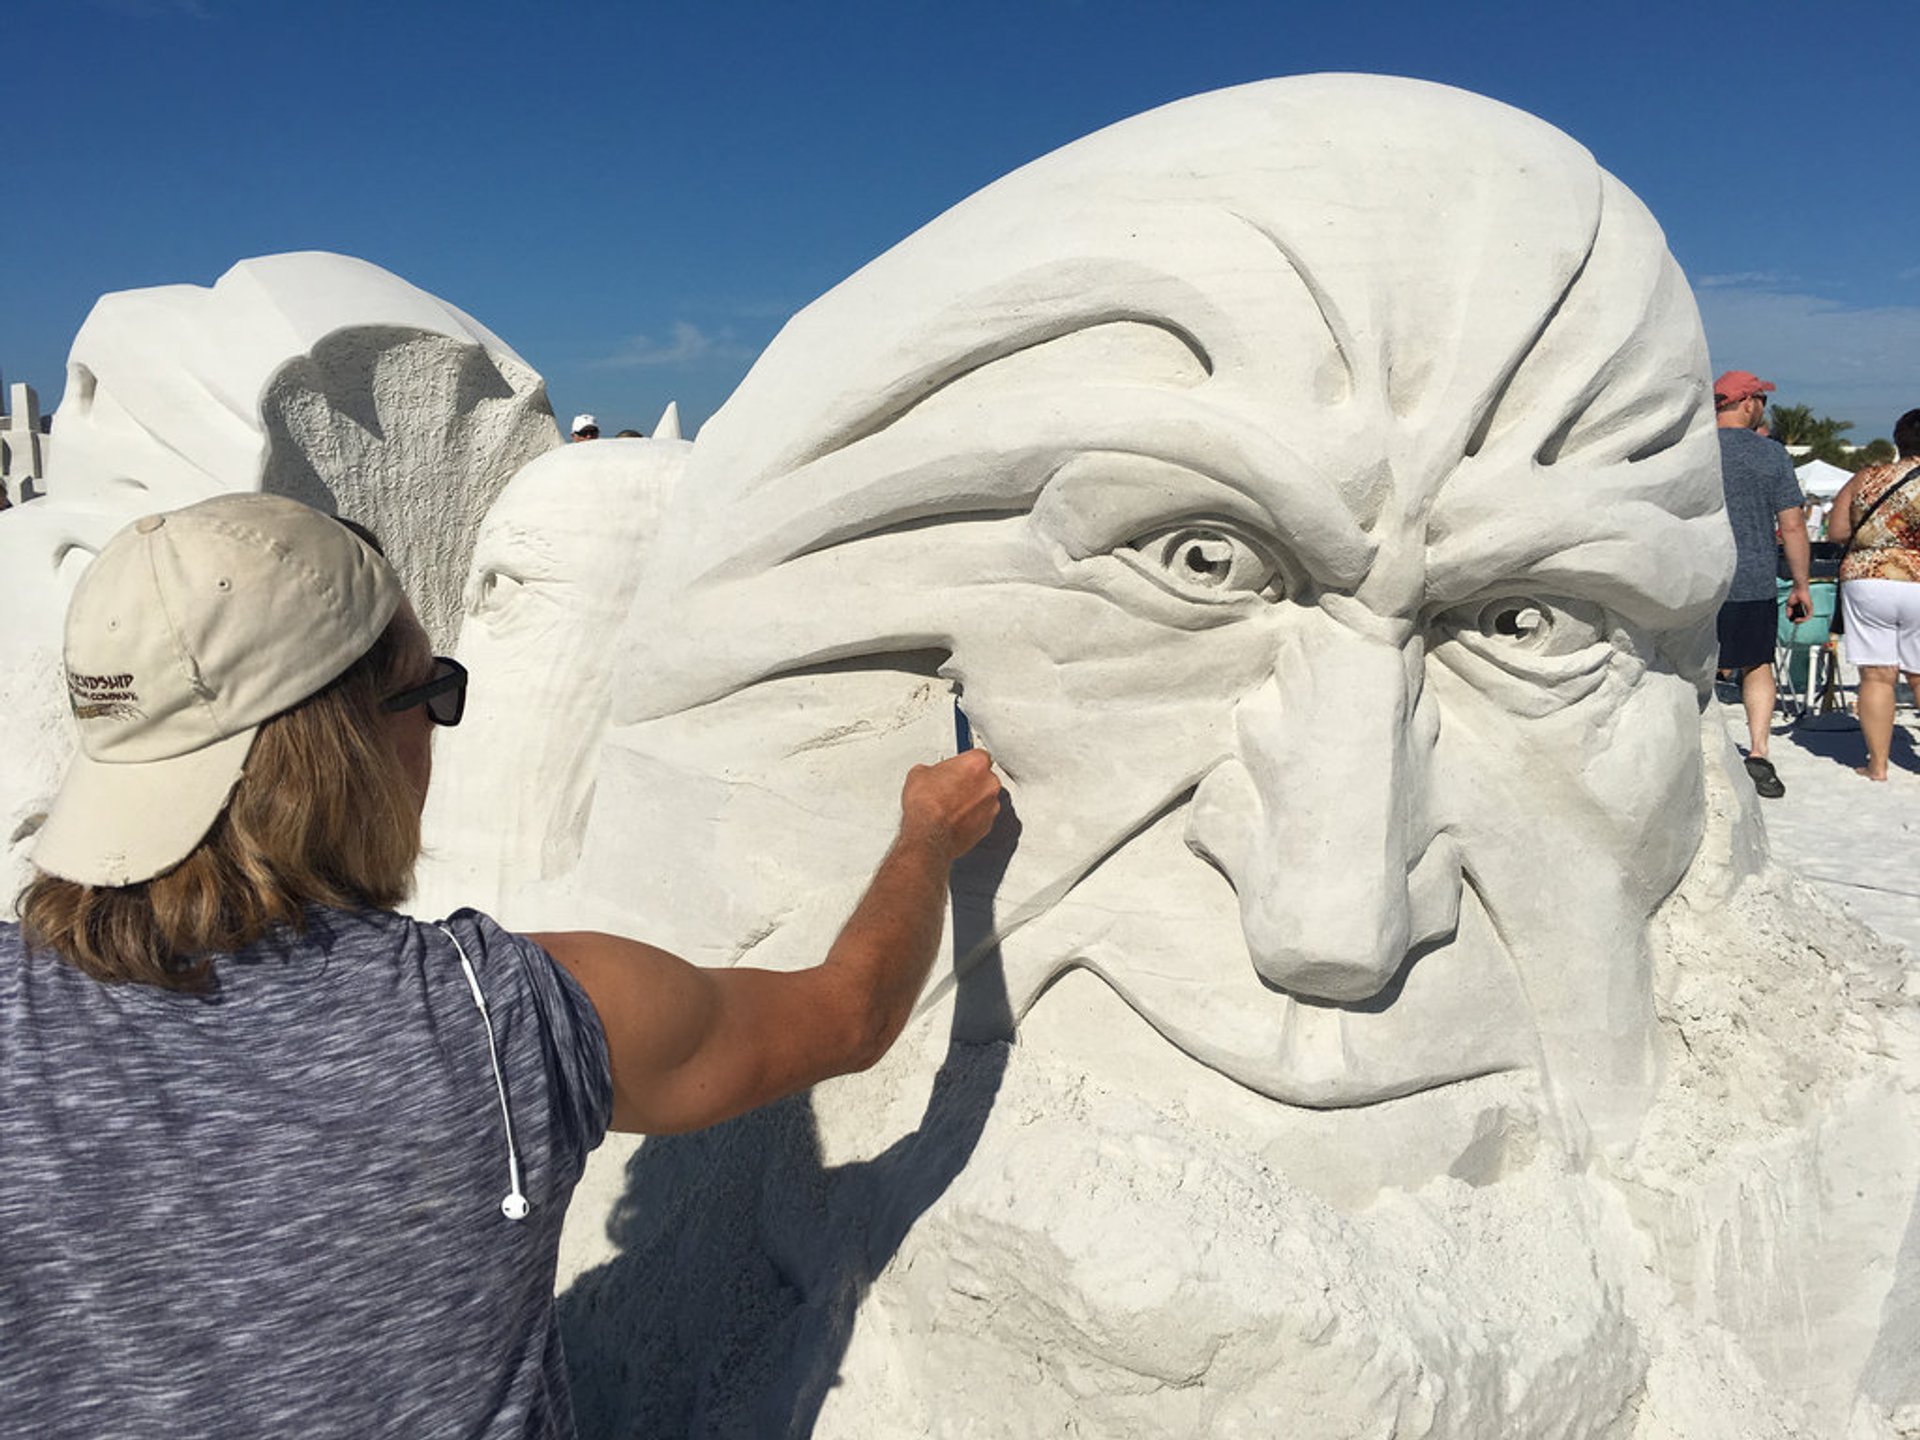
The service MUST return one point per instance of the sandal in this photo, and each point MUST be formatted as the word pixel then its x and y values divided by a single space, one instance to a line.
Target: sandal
pixel 1766 780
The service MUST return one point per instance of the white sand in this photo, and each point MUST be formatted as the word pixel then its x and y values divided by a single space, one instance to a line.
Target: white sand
pixel 1852 838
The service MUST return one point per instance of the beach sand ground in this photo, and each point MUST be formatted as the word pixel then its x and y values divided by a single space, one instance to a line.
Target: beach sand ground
pixel 1854 839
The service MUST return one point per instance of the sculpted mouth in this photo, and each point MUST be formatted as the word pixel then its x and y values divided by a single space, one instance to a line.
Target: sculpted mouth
pixel 1162 928
pixel 1451 1016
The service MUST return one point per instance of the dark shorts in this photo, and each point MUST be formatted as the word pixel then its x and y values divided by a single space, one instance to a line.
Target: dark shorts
pixel 1747 631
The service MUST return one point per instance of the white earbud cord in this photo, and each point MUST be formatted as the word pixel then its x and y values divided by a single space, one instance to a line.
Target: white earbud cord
pixel 515 1206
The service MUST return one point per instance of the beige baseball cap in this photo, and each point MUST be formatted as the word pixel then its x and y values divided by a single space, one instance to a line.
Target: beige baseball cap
pixel 187 631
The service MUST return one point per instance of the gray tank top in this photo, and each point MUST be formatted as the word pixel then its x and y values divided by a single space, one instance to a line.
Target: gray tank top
pixel 276 1209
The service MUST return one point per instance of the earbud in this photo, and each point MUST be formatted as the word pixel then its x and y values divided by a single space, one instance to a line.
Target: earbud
pixel 514 1206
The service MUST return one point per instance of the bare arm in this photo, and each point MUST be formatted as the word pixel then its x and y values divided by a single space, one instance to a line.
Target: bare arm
pixel 691 1046
pixel 1840 515
pixel 1793 539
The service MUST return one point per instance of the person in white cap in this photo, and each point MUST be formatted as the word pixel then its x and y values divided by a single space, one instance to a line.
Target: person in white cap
pixel 585 427
pixel 278 1159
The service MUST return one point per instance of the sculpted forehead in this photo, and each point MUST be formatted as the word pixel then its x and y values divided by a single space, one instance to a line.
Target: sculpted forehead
pixel 1367 274
pixel 1392 316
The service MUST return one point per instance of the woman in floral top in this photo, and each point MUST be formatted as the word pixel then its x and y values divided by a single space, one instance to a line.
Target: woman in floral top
pixel 1880 596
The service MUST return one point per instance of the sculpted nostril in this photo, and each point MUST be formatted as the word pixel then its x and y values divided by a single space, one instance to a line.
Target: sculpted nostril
pixel 1433 892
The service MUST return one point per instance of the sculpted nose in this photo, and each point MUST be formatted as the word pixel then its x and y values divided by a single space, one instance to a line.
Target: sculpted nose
pixel 1319 820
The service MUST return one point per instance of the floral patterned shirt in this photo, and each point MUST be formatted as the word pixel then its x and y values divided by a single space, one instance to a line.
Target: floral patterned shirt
pixel 1888 546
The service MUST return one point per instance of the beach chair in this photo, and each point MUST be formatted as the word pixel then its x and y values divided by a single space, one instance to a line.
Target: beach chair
pixel 1806 660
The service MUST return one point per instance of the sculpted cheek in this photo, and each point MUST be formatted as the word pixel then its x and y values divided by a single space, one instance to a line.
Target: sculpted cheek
pixel 1648 775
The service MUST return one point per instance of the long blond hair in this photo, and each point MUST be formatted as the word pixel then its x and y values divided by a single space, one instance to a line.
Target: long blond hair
pixel 324 814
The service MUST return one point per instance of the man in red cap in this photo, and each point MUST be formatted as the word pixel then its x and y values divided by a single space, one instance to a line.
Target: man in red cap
pixel 1762 493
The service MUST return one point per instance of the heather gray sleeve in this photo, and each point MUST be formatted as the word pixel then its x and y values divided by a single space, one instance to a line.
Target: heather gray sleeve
pixel 544 1023
pixel 1786 483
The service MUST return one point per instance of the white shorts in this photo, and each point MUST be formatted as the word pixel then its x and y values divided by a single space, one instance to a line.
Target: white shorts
pixel 1883 622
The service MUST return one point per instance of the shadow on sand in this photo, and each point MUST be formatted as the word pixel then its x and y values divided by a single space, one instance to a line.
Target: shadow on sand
pixel 1843 745
pixel 743 1258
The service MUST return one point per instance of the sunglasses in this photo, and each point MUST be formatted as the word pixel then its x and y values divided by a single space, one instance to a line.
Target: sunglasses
pixel 445 695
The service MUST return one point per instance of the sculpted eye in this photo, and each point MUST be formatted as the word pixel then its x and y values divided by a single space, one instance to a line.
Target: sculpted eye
pixel 1532 654
pixel 1204 562
pixel 1525 626
pixel 490 590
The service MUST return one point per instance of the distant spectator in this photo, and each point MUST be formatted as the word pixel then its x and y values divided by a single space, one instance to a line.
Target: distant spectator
pixel 1878 514
pixel 1816 512
pixel 629 435
pixel 1761 492
pixel 585 427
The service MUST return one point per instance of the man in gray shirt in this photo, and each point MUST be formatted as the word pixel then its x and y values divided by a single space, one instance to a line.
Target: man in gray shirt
pixel 1762 493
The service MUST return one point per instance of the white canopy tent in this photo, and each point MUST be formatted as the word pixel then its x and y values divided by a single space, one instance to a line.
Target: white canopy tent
pixel 1820 479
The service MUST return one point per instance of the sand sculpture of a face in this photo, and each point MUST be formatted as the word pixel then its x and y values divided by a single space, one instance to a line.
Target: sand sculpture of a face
pixel 554 568
pixel 1310 491
pixel 312 375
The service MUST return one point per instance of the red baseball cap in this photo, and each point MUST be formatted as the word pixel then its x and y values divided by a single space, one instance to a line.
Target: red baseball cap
pixel 1737 385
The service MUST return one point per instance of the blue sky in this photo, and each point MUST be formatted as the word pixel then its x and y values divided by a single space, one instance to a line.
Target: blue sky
pixel 635 196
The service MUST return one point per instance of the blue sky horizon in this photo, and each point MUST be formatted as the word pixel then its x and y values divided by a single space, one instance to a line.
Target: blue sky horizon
pixel 636 196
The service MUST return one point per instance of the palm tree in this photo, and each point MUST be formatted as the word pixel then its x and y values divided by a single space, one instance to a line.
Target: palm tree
pixel 1798 425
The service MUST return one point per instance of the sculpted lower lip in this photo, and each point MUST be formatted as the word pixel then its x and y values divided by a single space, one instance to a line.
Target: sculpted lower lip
pixel 1327 1056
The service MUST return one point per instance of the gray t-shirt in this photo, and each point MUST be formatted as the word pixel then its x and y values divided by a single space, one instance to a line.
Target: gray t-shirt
pixel 1760 483
pixel 275 1209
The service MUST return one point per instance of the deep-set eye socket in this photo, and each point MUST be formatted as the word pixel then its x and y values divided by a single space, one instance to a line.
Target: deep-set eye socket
pixel 489 590
pixel 1207 562
pixel 1532 625
pixel 1532 654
